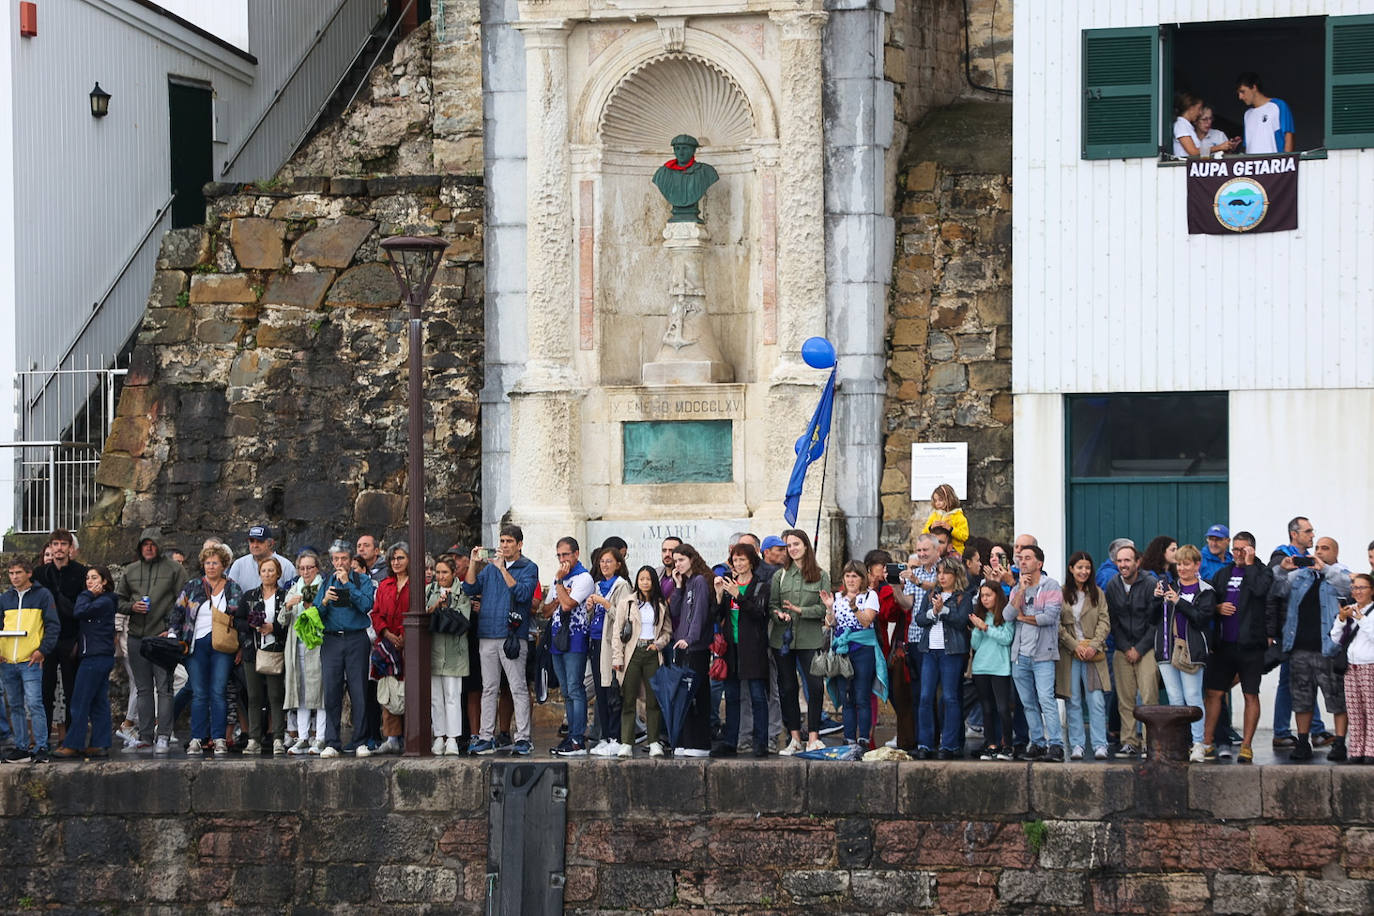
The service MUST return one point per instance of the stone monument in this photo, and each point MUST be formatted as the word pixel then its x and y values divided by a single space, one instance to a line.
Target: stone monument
pixel 688 355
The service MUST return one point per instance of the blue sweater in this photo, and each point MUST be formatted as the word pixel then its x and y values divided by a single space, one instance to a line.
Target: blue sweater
pixel 350 611
pixel 95 621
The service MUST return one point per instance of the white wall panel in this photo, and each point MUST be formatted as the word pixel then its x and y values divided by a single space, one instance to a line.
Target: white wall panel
pixel 1105 268
pixel 1038 472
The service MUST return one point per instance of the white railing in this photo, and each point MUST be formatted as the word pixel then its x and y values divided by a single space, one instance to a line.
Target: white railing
pixel 65 417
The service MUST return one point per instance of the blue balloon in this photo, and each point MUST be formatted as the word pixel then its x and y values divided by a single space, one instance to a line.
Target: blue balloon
pixel 818 353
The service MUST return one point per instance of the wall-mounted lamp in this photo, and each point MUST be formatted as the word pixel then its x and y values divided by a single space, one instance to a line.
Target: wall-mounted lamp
pixel 100 102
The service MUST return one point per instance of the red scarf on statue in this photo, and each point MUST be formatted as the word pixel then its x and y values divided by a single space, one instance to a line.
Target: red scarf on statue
pixel 672 164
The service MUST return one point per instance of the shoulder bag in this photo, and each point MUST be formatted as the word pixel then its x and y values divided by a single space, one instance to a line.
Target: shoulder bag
pixel 223 636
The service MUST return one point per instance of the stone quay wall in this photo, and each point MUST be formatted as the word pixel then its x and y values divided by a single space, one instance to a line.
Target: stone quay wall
pixel 949 368
pixel 268 380
pixel 695 837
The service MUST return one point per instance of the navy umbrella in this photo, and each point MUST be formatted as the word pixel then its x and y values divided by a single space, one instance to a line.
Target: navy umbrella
pixel 672 684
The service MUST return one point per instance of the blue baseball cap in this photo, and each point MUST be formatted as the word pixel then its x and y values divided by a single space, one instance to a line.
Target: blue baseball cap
pixel 1218 531
pixel 772 541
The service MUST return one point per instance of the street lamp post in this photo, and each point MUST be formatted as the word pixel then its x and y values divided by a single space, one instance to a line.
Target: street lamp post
pixel 415 262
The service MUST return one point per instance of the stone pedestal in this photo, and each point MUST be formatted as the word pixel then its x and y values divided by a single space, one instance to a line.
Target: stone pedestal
pixel 689 354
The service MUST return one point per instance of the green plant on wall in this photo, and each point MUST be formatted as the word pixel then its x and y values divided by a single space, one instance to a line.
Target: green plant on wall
pixel 1035 834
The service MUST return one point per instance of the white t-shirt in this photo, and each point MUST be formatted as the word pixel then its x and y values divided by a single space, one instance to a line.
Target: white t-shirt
pixel 1214 138
pixel 846 614
pixel 937 632
pixel 1266 125
pixel 646 620
pixel 1077 609
pixel 1361 649
pixel 205 619
pixel 269 606
pixel 1183 128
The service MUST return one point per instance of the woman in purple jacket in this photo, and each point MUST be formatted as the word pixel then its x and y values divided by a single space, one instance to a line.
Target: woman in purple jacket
pixel 690 608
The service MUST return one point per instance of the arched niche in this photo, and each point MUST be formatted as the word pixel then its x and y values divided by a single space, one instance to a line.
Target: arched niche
pixel 640 96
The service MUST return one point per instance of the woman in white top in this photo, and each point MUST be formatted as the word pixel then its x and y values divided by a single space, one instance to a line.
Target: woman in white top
pixel 1186 109
pixel 1209 139
pixel 642 615
pixel 850 613
pixel 1359 676
pixel 207 668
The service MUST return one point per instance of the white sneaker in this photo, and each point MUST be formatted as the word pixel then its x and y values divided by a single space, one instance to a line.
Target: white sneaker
pixel 163 746
pixel 278 748
pixel 693 752
pixel 606 749
pixel 1198 754
pixel 451 748
pixel 194 747
pixel 391 745
pixel 254 746
pixel 317 749
pixel 437 748
pixel 793 747
pixel 328 752
pixel 362 750
pixel 892 742
pixel 816 745
pixel 1076 753
pixel 129 732
pixel 138 744
pixel 656 749
pixel 221 748
pixel 626 751
pixel 1100 753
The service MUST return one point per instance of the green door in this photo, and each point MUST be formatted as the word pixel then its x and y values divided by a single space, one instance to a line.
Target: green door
pixel 1144 465
pixel 192 151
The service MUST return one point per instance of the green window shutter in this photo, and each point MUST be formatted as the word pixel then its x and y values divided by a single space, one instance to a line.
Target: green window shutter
pixel 1120 93
pixel 1349 82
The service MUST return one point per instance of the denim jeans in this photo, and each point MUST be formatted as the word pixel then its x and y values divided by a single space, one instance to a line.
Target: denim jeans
pixel 208 675
pixel 947 673
pixel 1184 690
pixel 758 702
pixel 913 678
pixel 857 691
pixel 89 709
pixel 1283 709
pixel 24 696
pixel 569 666
pixel 1035 686
pixel 1097 708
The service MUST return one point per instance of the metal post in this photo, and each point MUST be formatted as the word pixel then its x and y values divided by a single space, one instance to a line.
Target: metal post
pixel 52 487
pixel 417 626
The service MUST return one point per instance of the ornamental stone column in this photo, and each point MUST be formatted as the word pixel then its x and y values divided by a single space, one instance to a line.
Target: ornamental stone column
pixel 801 192
pixel 546 404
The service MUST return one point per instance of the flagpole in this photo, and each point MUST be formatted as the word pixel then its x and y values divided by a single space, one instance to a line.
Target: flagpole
pixel 825 458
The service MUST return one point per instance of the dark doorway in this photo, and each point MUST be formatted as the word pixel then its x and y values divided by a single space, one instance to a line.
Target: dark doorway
pixel 192 132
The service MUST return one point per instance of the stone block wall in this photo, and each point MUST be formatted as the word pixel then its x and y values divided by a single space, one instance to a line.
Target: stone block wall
pixel 695 837
pixel 949 371
pixel 268 381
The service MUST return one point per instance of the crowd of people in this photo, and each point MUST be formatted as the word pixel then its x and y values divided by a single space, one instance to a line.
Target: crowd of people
pixel 977 648
pixel 1267 123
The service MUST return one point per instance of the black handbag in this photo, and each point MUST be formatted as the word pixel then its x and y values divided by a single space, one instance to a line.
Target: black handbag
pixel 1274 656
pixel 511 646
pixel 627 630
pixel 562 640
pixel 163 651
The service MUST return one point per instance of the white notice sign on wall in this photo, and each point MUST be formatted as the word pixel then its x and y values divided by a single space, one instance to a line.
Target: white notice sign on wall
pixel 934 463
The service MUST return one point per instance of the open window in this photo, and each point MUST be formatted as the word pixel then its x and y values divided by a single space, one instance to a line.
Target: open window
pixel 1323 67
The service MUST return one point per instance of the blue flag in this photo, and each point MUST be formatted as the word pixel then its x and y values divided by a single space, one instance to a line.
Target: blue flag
pixel 809 447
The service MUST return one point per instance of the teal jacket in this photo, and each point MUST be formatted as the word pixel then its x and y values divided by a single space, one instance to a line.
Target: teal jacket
pixel 992 649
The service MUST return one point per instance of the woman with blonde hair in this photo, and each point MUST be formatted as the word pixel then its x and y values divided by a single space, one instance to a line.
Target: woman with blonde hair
pixel 192 622
pixel 943 641
pixel 1183 638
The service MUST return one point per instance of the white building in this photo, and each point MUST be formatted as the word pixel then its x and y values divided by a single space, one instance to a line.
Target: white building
pixel 199 91
pixel 1164 381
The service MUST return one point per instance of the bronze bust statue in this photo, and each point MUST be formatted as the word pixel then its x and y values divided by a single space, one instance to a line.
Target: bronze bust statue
pixel 683 181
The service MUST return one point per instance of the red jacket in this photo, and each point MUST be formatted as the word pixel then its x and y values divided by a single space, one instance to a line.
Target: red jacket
pixel 389 607
pixel 889 611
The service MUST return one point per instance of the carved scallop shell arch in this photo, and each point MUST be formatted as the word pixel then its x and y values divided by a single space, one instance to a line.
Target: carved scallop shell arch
pixel 676 94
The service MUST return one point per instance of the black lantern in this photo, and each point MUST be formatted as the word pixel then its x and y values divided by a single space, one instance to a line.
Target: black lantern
pixel 415 261
pixel 100 102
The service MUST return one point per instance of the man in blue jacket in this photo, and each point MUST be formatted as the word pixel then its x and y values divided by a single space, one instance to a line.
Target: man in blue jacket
pixel 347 644
pixel 506 584
pixel 29 612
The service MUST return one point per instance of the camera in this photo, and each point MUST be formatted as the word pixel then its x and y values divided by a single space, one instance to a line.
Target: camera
pixel 894 573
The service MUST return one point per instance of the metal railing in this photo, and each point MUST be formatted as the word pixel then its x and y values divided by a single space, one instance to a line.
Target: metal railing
pixel 65 417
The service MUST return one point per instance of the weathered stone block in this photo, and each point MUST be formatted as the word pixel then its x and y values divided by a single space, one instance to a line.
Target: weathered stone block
pixel 214 331
pixel 812 885
pixel 891 891
pixel 868 788
pixel 258 243
pixel 1254 895
pixel 1151 894
pixel 366 286
pixel 248 788
pixel 347 787
pixel 648 887
pixel 183 248
pixel 334 836
pixel 1231 792
pixel 637 841
pixel 1291 846
pixel 438 785
pixel 971 891
pixel 1356 897
pixel 1039 888
pixel 120 788
pixel 766 841
pixel 332 245
pixel 379 510
pixel 921 177
pixel 334 884
pixel 249 368
pixel 745 787
pixel 207 288
pixel 989 375
pixel 1352 794
pixel 262 885
pixel 1185 844
pixel 948 377
pixel 304 288
pixel 129 434
pixel 932 790
pixel 416 884
pixel 1295 792
pixel 1082 792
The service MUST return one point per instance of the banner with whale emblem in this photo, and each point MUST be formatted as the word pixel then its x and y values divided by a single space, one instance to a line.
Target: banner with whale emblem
pixel 1237 196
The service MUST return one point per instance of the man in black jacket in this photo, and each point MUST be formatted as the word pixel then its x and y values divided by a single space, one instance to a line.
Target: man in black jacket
pixel 1241 637
pixel 66 579
pixel 1129 597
